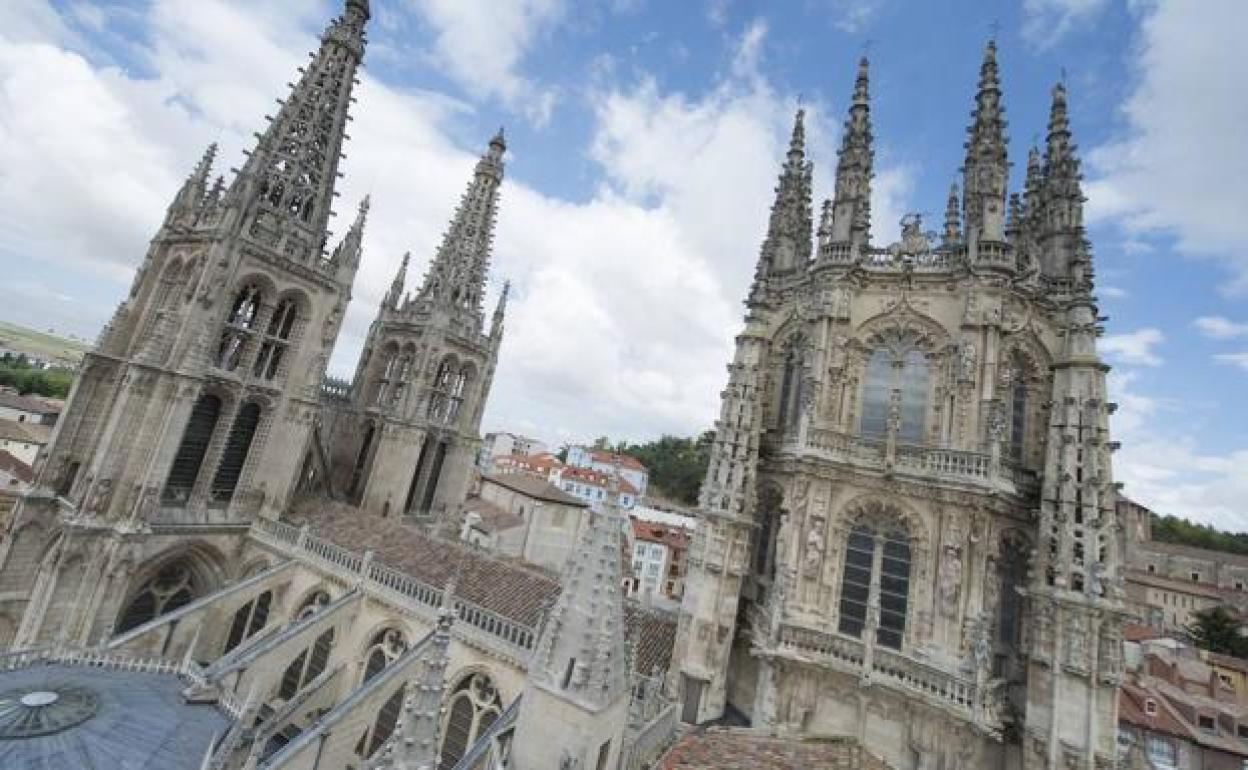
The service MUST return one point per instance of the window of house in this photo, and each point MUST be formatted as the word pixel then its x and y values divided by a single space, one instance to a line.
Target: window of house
pixel 1152 568
pixel 1150 707
pixel 1195 577
pixel 1162 752
pixel 1207 724
pixel 1242 731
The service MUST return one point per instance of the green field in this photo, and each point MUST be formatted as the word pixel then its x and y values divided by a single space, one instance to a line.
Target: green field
pixel 42 344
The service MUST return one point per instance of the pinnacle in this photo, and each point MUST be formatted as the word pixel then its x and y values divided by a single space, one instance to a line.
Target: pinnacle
pixel 498 139
pixel 861 96
pixel 797 142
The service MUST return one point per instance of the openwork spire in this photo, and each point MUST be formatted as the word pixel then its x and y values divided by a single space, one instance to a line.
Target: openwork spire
pixel 456 278
pixel 287 184
pixel 582 654
pixel 986 169
pixel 787 246
pixel 418 744
pixel 1061 200
pixel 851 205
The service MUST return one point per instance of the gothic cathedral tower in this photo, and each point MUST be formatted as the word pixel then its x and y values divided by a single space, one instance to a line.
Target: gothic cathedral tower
pixel 907 526
pixel 187 410
pixel 422 380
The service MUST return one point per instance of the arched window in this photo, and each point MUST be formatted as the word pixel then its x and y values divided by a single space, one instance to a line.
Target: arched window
pixel 276 339
pixel 306 666
pixel 440 399
pixel 240 324
pixel 315 602
pixel 473 707
pixel 248 620
pixel 898 370
pixel 236 448
pixel 190 456
pixel 872 551
pixel 1018 407
pixel 383 727
pixel 385 648
pixel 389 372
pixel 173 586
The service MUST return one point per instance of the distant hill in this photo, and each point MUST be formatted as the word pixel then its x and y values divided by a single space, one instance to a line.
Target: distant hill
pixel 1172 529
pixel 45 345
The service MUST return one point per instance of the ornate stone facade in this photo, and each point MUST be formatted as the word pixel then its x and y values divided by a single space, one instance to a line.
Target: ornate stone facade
pixel 908 532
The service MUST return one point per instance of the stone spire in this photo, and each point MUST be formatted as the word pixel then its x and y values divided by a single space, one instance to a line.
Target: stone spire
pixel 787 246
pixel 986 169
pixel 347 254
pixel 1061 196
pixel 194 192
pixel 500 311
pixel 418 742
pixel 396 286
pixel 953 217
pixel 851 205
pixel 286 187
pixel 456 278
pixel 582 653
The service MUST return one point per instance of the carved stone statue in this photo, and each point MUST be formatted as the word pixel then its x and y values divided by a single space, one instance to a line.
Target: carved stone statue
pixel 967 359
pixel 98 500
pixel 950 584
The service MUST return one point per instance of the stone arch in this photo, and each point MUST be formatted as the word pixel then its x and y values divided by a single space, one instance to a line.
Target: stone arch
pixel 390 637
pixel 169 580
pixel 899 320
pixel 1023 387
pixel 472 705
pixel 311 600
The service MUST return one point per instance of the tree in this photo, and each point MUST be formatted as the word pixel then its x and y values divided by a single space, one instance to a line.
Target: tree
pixel 1217 630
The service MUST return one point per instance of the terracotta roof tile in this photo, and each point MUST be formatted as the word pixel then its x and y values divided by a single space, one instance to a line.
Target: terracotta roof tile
pixel 653 632
pixel 539 489
pixel 20 470
pixel 27 432
pixel 718 748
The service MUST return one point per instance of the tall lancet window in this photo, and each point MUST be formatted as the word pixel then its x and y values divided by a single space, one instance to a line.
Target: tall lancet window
pixel 877 570
pixel 276 339
pixel 186 463
pixel 896 369
pixel 1018 408
pixel 401 375
pixel 240 325
pixel 237 446
pixel 791 385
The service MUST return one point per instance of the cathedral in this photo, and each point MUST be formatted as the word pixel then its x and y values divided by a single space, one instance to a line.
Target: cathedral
pixel 907 546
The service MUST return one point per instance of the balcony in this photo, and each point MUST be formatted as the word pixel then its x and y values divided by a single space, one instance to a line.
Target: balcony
pixel 977 469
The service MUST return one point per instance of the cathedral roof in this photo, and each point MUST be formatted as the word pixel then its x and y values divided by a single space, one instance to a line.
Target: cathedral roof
pixel 720 748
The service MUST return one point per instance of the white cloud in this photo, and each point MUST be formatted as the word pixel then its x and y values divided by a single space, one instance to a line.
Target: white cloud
pixel 481 44
pixel 1180 170
pixel 1166 469
pixel 1235 359
pixel 1135 347
pixel 1045 22
pixel 1220 328
pixel 1112 292
pixel 850 16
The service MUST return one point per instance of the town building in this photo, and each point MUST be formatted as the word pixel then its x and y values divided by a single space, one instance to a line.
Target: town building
pixel 532 519
pixel 27 409
pixel 658 559
pixel 542 466
pixel 503 443
pixel 24 440
pixel 612 464
pixel 15 479
pixel 592 485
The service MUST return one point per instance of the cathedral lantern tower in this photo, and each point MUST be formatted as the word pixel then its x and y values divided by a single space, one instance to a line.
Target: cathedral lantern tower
pixel 209 372
pixel 425 372
pixel 908 511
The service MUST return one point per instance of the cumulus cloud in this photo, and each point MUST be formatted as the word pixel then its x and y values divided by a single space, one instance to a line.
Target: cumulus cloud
pixel 1045 22
pixel 482 43
pixel 1135 347
pixel 1220 328
pixel 1235 359
pixel 1178 171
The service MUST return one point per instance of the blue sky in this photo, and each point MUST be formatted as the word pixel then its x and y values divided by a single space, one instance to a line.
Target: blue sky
pixel 644 141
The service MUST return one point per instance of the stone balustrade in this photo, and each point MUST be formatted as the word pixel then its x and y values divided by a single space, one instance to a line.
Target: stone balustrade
pixel 974 468
pixel 501 634
pixel 890 668
pixel 644 746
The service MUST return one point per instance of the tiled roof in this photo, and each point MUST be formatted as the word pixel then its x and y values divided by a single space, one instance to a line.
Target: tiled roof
pixel 586 475
pixel 1138 632
pixel 614 458
pixel 29 433
pixel 27 404
pixel 20 470
pixel 673 537
pixel 653 632
pixel 1227 661
pixel 721 748
pixel 1131 709
pixel 492 518
pixel 509 588
pixel 531 486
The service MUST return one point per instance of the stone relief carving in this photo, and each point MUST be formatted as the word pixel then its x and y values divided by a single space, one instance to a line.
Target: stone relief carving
pixel 950 579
